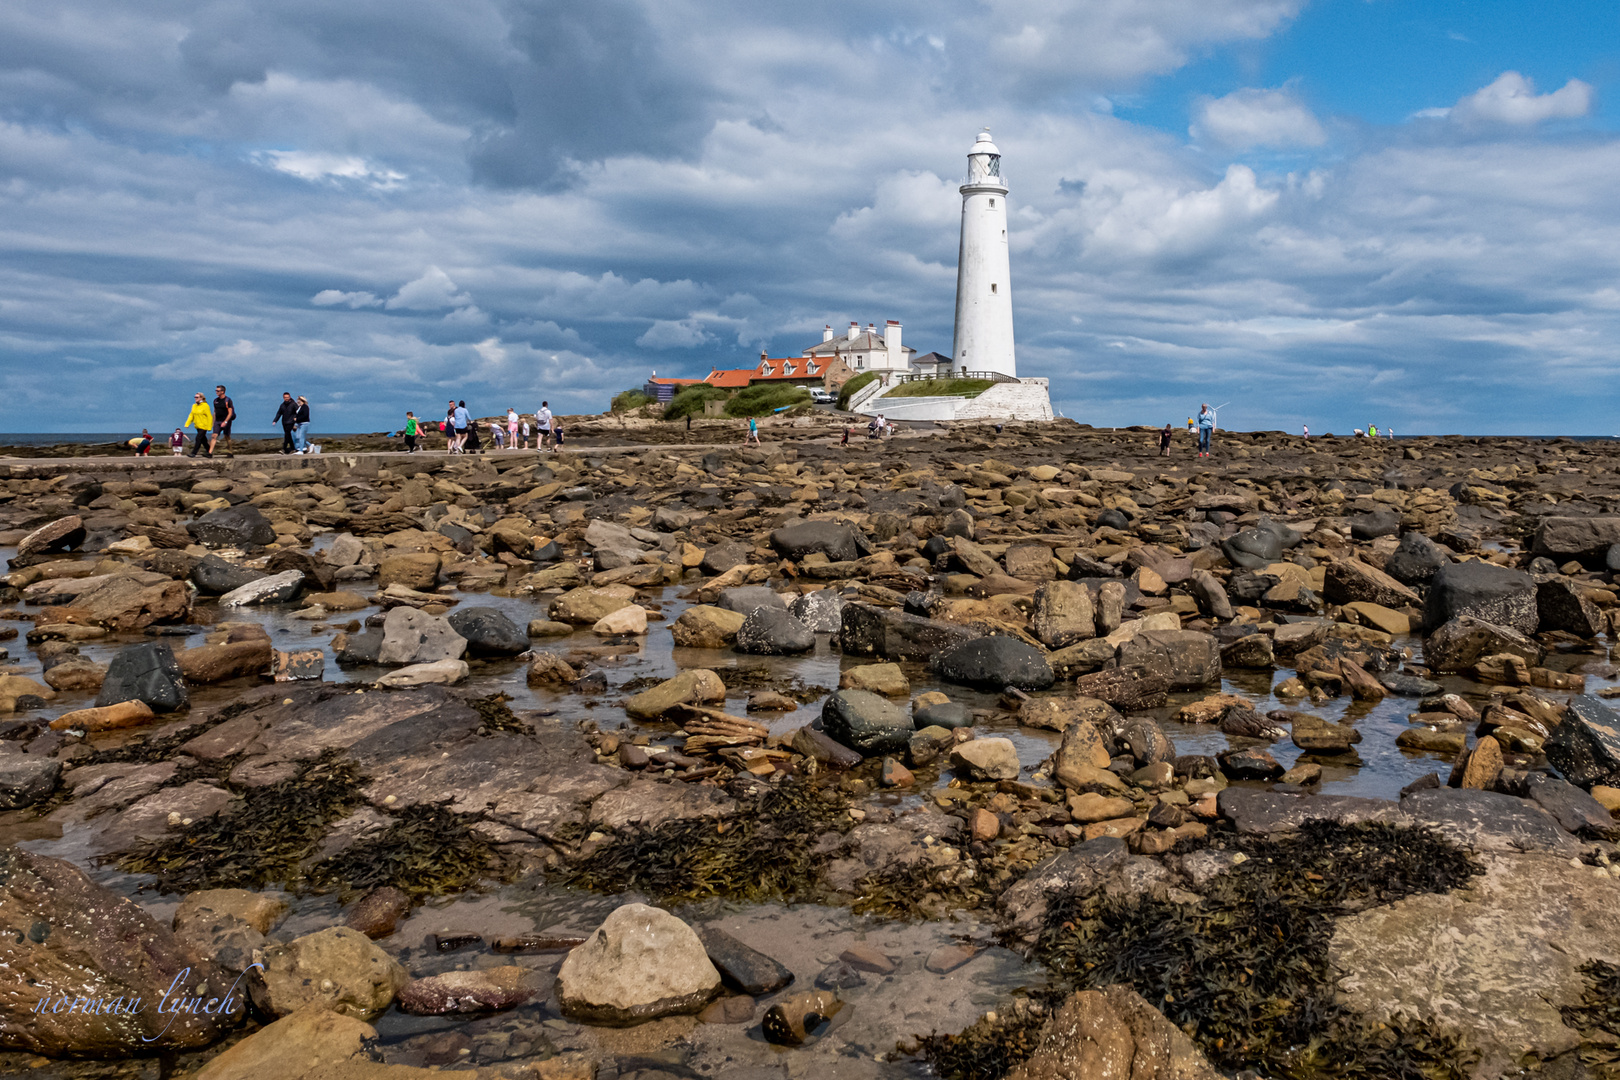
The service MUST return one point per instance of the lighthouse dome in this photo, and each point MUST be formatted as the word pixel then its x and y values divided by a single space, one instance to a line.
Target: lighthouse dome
pixel 983 145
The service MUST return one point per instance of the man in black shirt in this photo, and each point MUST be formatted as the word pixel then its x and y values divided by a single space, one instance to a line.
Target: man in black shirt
pixel 224 413
pixel 287 417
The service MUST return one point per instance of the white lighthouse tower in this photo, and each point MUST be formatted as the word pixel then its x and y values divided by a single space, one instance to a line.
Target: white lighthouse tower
pixel 984 324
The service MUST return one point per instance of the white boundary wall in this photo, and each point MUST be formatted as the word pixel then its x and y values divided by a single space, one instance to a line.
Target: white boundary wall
pixel 1026 399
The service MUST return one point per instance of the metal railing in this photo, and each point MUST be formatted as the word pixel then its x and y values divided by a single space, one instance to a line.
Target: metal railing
pixel 993 376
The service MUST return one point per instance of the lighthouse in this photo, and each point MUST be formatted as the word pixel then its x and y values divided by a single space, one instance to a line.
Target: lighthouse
pixel 984 324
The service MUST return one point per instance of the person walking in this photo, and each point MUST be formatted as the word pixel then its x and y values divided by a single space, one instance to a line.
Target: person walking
pixel 464 432
pixel 1307 429
pixel 177 442
pixel 301 425
pixel 201 421
pixel 753 432
pixel 556 434
pixel 224 414
pixel 287 417
pixel 411 428
pixel 1164 440
pixel 543 423
pixel 1206 428
pixel 511 427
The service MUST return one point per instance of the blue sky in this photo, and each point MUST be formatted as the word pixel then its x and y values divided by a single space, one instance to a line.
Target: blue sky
pixel 1331 213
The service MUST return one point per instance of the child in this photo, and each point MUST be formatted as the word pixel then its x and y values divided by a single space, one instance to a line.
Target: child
pixel 523 437
pixel 556 435
pixel 177 442
pixel 497 435
pixel 410 432
pixel 1164 441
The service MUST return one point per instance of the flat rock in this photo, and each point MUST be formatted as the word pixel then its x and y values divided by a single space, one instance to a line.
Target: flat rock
pixel 640 964
pixel 480 990
pixel 415 637
pixel 1263 812
pixel 1488 821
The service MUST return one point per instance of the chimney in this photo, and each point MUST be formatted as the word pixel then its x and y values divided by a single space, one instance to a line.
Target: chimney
pixel 762 356
pixel 854 330
pixel 826 332
pixel 891 341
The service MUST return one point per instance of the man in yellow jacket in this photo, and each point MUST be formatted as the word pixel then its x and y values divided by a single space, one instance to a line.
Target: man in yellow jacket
pixel 201 420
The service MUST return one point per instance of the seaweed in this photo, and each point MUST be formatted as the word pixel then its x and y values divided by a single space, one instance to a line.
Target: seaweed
pixel 765 854
pixel 497 715
pixel 986 1048
pixel 161 745
pixel 259 842
pixel 428 851
pixel 1597 1018
pixel 1246 972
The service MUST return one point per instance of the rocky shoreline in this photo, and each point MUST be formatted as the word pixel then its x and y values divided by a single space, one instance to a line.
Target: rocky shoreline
pixel 1014 730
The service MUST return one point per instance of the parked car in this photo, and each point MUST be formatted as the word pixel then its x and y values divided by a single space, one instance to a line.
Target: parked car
pixel 823 397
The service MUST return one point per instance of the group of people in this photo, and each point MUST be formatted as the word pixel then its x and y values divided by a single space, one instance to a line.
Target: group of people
pixel 210 423
pixel 461 432
pixel 1204 425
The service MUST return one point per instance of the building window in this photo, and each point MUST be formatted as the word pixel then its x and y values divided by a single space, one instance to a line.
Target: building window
pixel 992 286
pixel 992 204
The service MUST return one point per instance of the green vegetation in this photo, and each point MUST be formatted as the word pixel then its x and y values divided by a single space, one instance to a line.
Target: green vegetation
pixel 967 388
pixel 765 399
pixel 626 400
pixel 690 399
pixel 849 388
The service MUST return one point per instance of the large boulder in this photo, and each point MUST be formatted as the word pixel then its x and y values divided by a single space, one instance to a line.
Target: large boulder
pixel 1585 538
pixel 1561 605
pixel 994 663
pixel 724 556
pixel 745 598
pixel 1460 643
pixel 63 534
pixel 489 632
pixel 1253 548
pixel 68 938
pixel 866 722
pixel 703 626
pixel 336 967
pixel 587 605
pixel 693 686
pixel 214 576
pixel 145 672
pixel 1586 746
pixel 822 611
pixel 233 526
pixel 987 759
pixel 1186 659
pixel 217 662
pixel 1112 1034
pixel 837 541
pixel 312 1042
pixel 1484 591
pixel 896 635
pixel 769 631
pixel 640 964
pixel 412 569
pixel 271 589
pixel 415 637
pixel 26 779
pixel 1063 614
pixel 612 545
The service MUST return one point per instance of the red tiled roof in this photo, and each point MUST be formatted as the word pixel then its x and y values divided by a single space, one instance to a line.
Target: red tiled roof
pixel 790 367
pixel 729 380
pixel 674 382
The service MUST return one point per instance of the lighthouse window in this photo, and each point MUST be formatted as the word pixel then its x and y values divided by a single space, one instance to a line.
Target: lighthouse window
pixel 992 286
pixel 992 204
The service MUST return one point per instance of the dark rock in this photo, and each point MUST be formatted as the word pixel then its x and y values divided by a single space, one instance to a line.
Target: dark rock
pixel 361 649
pixel 1488 820
pixel 1408 685
pixel 1460 643
pixel 994 663
pixel 145 672
pixel 213 576
pixel 1250 764
pixel 548 552
pixel 743 968
pixel 1562 606
pixel 1253 548
pixel 745 598
pixel 1585 748
pixel 1126 689
pixel 1146 740
pixel 894 635
pixel 1585 538
pixel 489 632
pixel 772 631
pixel 234 526
pixel 839 975
pixel 1423 783
pixel 378 913
pixel 1415 560
pixel 866 722
pixel 1211 595
pixel 1374 525
pixel 453 992
pixel 948 715
pixel 822 611
pixel 1079 870
pixel 1185 658
pixel 1262 812
pixel 722 557
pixel 1113 519
pixel 317 571
pixel 826 750
pixel 1349 580
pixel 1483 591
pixel 1242 722
pixel 839 542
pixel 1249 651
pixel 1573 808
pixel 26 779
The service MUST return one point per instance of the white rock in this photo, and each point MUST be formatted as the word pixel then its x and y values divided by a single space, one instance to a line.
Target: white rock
pixel 640 964
pixel 627 620
pixel 439 671
pixel 987 759
pixel 415 637
pixel 266 590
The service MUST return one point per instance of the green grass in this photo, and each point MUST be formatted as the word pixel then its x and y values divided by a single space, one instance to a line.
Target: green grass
pixel 690 399
pixel 765 399
pixel 967 388
pixel 628 400
pixel 852 386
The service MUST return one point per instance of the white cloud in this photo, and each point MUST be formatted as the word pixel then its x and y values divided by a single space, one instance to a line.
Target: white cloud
pixel 315 166
pixel 331 297
pixel 1512 99
pixel 491 350
pixel 1142 216
pixel 1253 117
pixel 433 291
pixel 674 334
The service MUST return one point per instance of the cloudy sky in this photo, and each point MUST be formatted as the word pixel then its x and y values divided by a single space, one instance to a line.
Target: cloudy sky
pixel 1334 213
